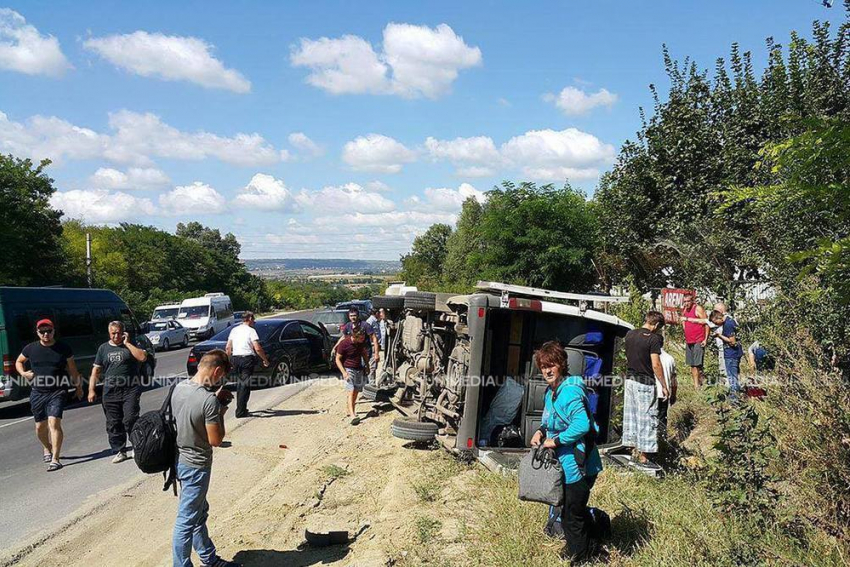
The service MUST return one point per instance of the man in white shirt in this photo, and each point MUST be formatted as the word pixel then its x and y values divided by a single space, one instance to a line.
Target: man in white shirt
pixel 243 346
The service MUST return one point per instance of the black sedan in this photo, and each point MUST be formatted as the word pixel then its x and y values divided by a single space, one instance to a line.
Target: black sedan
pixel 294 348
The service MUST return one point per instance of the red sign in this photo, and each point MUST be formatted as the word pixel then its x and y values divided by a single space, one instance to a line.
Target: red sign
pixel 671 304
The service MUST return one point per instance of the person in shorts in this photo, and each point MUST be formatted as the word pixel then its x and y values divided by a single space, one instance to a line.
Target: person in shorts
pixel 46 365
pixel 641 423
pixel 371 331
pixel 350 352
pixel 118 361
pixel 696 336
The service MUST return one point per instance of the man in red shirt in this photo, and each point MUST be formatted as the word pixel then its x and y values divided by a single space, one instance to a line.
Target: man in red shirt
pixel 696 336
pixel 350 353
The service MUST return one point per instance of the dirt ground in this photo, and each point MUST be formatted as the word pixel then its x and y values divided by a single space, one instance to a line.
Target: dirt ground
pixel 330 476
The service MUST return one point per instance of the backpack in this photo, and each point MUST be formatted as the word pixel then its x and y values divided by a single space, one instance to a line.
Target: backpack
pixel 154 438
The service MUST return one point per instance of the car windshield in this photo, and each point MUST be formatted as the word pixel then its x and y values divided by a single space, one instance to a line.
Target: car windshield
pixel 332 317
pixel 165 313
pixel 264 330
pixel 194 312
pixel 159 326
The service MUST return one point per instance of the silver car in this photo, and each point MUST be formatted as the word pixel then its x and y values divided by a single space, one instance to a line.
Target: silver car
pixel 165 334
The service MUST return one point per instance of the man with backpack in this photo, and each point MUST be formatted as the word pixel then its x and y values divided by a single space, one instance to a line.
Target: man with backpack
pixel 198 406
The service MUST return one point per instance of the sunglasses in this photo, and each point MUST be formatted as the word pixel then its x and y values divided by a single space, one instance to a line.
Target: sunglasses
pixel 45 331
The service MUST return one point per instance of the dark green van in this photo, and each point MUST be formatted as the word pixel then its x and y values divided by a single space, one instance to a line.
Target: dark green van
pixel 81 317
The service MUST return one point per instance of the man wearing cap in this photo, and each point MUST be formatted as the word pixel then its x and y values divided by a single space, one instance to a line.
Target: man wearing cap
pixel 118 361
pixel 50 362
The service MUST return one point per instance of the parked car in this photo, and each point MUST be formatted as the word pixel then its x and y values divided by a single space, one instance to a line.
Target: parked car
pixel 237 316
pixel 364 306
pixel 450 355
pixel 294 348
pixel 165 334
pixel 82 318
pixel 163 312
pixel 332 319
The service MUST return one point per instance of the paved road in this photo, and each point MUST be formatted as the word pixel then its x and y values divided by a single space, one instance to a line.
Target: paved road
pixel 31 499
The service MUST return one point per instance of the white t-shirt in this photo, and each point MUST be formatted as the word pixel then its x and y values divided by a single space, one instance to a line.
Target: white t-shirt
pixel 242 340
pixel 668 364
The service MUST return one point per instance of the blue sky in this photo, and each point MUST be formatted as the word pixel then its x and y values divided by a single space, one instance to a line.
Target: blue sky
pixel 341 129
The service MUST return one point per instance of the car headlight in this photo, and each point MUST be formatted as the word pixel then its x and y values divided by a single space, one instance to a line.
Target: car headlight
pixel 154 339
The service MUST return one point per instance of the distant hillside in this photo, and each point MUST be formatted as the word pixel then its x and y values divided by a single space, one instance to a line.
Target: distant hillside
pixel 316 266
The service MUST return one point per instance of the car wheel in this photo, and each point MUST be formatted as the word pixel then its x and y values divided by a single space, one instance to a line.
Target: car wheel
pixel 282 373
pixel 420 301
pixel 165 344
pixel 412 430
pixel 185 340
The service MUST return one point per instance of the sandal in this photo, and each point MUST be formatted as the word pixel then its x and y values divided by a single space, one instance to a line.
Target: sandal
pixel 54 466
pixel 48 457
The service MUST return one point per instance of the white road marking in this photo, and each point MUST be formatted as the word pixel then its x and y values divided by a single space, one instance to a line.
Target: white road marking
pixel 14 422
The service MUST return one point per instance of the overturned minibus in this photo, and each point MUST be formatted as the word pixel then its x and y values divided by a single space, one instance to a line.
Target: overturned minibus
pixel 461 367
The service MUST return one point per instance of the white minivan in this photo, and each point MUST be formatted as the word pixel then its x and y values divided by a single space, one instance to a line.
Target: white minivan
pixel 205 316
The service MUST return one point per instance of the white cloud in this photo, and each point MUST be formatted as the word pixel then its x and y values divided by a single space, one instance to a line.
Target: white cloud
pixel 101 206
pixel 416 61
pixel 138 136
pixel 190 200
pixel 410 219
pixel 135 139
pixel 301 142
pixel 475 157
pixel 264 192
pixel 25 50
pixel 378 187
pixel 49 137
pixel 350 198
pixel 445 199
pixel 540 154
pixel 549 155
pixel 573 101
pixel 134 178
pixel 375 152
pixel 172 58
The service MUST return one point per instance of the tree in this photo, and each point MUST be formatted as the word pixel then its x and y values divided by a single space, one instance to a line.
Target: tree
pixel 30 228
pixel 423 266
pixel 538 236
pixel 210 238
pixel 459 273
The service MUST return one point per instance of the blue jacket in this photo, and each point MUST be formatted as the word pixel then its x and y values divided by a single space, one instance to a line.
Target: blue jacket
pixel 566 419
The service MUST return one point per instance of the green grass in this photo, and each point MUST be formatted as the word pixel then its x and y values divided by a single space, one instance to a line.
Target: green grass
pixel 335 472
pixel 427 529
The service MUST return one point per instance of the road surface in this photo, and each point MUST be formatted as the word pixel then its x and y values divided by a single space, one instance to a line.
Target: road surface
pixel 32 500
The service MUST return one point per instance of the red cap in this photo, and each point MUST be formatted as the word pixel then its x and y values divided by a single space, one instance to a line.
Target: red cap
pixel 44 323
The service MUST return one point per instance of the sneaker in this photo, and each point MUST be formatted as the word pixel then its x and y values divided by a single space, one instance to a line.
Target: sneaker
pixel 119 457
pixel 355 421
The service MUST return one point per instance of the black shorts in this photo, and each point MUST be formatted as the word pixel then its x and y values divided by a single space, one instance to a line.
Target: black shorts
pixel 50 403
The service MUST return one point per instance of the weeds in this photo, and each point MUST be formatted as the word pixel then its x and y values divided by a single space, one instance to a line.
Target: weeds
pixel 335 472
pixel 426 529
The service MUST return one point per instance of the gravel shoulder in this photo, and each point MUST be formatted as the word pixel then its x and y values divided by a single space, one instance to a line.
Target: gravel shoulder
pixel 330 476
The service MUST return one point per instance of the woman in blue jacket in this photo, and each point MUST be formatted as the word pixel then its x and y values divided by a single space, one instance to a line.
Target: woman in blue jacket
pixel 566 422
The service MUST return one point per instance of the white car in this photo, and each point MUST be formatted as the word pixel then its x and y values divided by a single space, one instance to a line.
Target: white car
pixel 165 334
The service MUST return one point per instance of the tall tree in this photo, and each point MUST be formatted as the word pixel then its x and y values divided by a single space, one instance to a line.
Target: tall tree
pixel 30 228
pixel 423 266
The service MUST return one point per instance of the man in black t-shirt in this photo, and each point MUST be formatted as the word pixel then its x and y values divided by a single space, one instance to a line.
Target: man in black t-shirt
pixel 640 403
pixel 50 364
pixel 118 360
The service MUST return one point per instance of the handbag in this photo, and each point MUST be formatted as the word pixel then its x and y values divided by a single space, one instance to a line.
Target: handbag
pixel 541 477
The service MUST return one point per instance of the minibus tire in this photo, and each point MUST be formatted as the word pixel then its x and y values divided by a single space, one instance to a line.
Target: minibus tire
pixel 420 301
pixel 413 430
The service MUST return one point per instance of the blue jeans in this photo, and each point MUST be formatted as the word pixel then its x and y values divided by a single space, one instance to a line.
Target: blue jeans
pixel 190 529
pixel 733 367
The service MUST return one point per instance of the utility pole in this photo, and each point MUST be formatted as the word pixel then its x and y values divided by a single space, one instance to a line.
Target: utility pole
pixel 88 258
